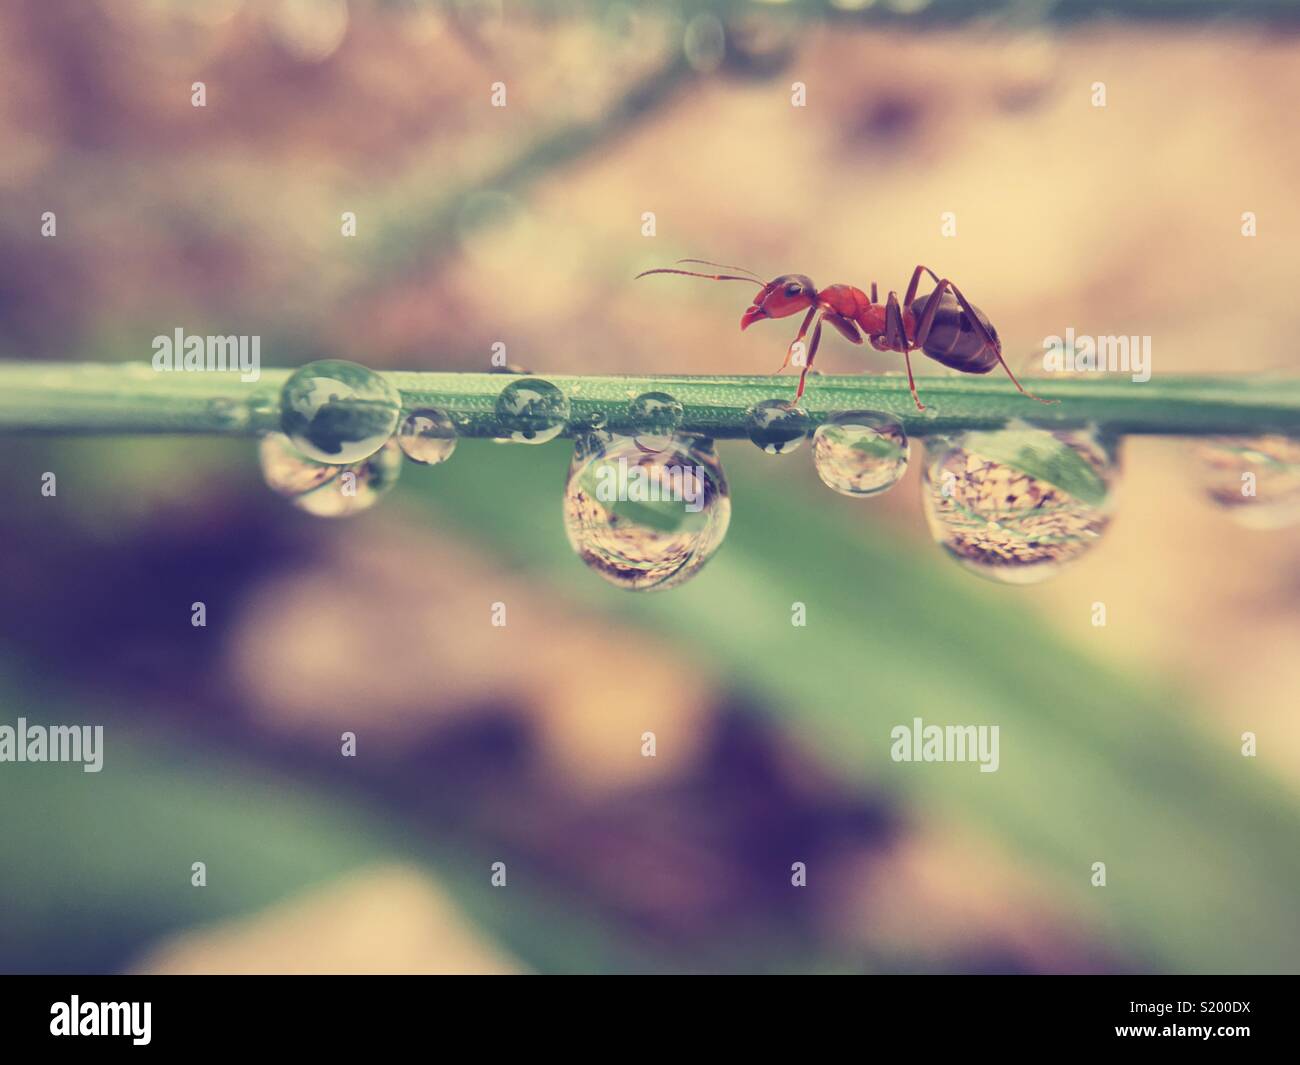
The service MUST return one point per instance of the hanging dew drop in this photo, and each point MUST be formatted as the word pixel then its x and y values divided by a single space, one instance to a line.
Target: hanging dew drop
pixel 1256 480
pixel 427 436
pixel 860 453
pixel 532 411
pixel 327 490
pixel 653 418
pixel 776 426
pixel 338 412
pixel 1015 505
pixel 645 520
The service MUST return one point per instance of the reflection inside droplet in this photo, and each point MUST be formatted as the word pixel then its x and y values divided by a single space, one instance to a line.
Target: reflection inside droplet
pixel 323 489
pixel 860 453
pixel 645 520
pixel 338 411
pixel 776 426
pixel 1255 479
pixel 1010 525
pixel 427 436
pixel 532 411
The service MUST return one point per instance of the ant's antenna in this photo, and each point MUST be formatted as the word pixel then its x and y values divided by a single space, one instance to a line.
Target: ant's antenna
pixel 724 266
pixel 691 273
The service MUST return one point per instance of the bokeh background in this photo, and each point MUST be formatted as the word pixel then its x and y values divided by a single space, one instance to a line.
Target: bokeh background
pixel 522 744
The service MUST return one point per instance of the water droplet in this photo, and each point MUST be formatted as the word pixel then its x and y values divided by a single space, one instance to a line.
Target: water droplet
pixel 860 452
pixel 646 520
pixel 1014 505
pixel 338 412
pixel 653 418
pixel 777 427
pixel 1255 479
pixel 532 411
pixel 427 436
pixel 328 490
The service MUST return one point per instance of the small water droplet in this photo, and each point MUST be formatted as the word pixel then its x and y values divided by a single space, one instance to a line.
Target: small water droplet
pixel 327 490
pixel 1255 479
pixel 645 520
pixel 1010 525
pixel 230 413
pixel 427 436
pixel 777 427
pixel 860 452
pixel 337 411
pixel 532 411
pixel 653 418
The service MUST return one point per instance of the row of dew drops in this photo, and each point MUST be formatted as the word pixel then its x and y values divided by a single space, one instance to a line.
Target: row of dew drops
pixel 648 506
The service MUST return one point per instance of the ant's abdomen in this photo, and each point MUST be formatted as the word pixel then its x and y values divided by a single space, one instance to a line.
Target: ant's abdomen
pixel 954 340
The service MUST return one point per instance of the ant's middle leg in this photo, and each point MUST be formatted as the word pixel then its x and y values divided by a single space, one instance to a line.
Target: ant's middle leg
pixel 896 339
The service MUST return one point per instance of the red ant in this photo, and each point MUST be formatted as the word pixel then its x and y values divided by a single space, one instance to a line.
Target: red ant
pixel 943 324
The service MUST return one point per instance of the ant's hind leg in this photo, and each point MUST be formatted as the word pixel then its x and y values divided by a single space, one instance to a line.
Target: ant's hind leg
pixel 911 382
pixel 991 342
pixel 916 280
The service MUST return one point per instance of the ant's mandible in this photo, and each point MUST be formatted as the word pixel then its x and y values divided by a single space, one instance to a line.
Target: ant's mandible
pixel 943 323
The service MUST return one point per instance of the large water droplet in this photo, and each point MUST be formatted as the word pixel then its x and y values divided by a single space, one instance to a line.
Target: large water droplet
pixel 860 452
pixel 646 520
pixel 776 426
pixel 532 410
pixel 1014 505
pixel 654 417
pixel 1255 479
pixel 324 489
pixel 427 436
pixel 337 411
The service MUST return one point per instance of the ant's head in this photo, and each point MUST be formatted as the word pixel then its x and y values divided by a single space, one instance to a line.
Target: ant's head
pixel 781 297
pixel 786 295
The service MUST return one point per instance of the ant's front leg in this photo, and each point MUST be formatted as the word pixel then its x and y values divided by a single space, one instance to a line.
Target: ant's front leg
pixel 803 330
pixel 812 354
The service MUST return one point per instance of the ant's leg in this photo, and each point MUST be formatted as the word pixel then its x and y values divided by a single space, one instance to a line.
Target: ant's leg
pixel 895 330
pixel 916 280
pixel 991 342
pixel 812 354
pixel 896 338
pixel 803 330
pixel 931 308
pixel 911 382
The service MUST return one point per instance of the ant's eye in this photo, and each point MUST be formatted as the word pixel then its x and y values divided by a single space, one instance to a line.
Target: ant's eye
pixel 793 289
